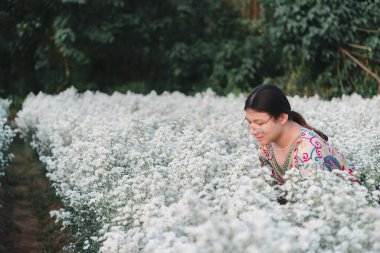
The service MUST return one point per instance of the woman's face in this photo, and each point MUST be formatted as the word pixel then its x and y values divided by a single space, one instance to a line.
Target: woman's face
pixel 263 126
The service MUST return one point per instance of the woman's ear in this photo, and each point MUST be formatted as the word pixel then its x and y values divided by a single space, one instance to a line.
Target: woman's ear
pixel 284 117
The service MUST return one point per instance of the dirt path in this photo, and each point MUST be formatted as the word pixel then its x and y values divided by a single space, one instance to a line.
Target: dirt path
pixel 27 199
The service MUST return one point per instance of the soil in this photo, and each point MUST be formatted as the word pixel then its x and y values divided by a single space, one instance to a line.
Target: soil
pixel 26 199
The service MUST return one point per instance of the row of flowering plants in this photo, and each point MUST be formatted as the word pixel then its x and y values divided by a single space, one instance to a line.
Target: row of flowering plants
pixel 176 173
pixel 6 138
pixel 6 135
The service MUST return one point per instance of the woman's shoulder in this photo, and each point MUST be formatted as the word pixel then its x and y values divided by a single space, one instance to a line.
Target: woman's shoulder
pixel 309 142
pixel 306 132
pixel 309 136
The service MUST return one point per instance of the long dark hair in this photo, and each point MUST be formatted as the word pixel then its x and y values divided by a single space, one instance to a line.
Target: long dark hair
pixel 270 99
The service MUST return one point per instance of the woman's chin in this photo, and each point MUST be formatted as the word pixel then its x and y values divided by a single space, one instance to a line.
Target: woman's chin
pixel 261 140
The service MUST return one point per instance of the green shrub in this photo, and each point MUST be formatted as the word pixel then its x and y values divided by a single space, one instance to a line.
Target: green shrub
pixel 329 46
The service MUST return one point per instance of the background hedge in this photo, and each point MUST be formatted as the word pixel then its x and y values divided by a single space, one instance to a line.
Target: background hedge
pixel 305 46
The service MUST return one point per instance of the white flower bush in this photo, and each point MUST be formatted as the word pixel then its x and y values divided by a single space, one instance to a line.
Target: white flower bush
pixel 6 135
pixel 175 173
pixel 4 106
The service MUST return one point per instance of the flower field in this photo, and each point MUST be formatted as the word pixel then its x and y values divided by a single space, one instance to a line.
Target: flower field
pixel 175 173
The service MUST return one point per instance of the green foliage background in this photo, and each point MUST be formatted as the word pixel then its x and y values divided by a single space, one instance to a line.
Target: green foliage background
pixel 307 47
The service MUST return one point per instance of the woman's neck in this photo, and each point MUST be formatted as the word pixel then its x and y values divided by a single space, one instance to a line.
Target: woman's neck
pixel 289 133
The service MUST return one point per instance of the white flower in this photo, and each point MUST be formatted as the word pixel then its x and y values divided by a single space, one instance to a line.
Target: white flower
pixel 175 173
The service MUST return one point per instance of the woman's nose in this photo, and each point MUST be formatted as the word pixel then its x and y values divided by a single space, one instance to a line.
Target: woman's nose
pixel 253 131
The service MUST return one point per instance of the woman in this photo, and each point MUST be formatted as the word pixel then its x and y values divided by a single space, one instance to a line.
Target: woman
pixel 286 140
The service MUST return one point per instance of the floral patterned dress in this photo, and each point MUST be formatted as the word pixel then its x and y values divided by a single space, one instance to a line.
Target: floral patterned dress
pixel 309 153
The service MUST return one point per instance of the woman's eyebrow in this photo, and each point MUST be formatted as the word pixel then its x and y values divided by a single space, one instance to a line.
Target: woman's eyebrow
pixel 256 120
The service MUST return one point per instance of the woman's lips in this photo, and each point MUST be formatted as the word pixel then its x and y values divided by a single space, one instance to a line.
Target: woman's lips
pixel 259 137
